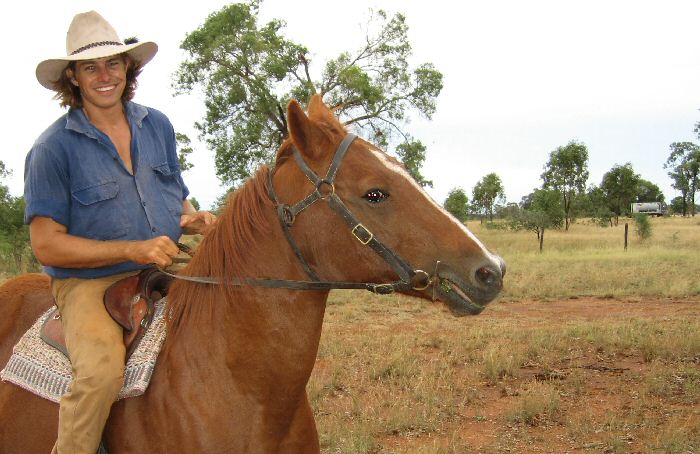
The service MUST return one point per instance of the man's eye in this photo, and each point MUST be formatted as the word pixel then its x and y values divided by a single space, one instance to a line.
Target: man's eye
pixel 375 196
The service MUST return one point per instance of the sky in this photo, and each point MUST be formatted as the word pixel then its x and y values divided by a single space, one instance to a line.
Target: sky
pixel 520 79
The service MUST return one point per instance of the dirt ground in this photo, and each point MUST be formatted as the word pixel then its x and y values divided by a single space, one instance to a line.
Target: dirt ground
pixel 604 406
pixel 609 383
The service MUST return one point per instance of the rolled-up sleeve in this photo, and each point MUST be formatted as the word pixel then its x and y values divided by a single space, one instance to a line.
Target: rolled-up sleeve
pixel 46 188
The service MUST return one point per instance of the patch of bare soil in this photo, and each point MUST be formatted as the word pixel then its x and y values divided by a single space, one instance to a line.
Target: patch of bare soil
pixel 603 406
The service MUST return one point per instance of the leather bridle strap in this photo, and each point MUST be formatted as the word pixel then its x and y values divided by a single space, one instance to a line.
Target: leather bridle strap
pixel 410 279
pixel 287 215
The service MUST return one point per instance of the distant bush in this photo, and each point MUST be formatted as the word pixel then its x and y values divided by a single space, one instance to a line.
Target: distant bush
pixel 642 226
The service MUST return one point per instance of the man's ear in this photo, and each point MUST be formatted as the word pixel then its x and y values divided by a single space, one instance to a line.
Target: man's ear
pixel 71 76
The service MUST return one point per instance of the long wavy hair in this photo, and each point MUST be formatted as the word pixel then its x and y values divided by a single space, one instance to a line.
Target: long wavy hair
pixel 69 95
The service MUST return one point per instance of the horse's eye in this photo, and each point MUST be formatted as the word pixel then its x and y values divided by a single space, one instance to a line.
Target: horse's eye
pixel 376 196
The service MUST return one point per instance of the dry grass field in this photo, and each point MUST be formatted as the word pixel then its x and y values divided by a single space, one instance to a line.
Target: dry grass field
pixel 590 349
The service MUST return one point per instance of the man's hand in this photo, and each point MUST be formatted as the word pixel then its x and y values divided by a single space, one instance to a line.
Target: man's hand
pixel 199 222
pixel 159 250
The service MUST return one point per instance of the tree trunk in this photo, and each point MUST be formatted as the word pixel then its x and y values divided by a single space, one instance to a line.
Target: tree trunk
pixel 541 239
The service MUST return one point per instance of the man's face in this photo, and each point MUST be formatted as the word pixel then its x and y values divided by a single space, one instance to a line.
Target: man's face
pixel 101 82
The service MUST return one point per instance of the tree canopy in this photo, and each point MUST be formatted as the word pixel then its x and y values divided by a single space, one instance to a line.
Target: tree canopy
pixel 248 72
pixel 487 193
pixel 684 165
pixel 14 235
pixel 540 210
pixel 457 203
pixel 619 186
pixel 567 173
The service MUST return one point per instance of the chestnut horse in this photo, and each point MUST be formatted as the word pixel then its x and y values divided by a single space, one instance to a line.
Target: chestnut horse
pixel 232 375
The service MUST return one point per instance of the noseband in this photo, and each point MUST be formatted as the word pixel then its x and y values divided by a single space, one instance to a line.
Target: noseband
pixel 324 190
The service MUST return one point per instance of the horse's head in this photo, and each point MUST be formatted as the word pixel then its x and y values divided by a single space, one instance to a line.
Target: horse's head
pixel 381 224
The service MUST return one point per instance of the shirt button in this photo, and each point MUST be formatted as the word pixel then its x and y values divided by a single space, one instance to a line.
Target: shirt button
pixel 143 203
pixel 153 229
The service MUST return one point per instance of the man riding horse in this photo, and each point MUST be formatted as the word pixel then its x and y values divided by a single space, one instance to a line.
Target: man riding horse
pixel 105 199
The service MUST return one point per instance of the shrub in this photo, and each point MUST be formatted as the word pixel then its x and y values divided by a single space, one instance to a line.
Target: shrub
pixel 642 226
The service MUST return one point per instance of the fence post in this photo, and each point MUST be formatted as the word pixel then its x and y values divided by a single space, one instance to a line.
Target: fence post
pixel 626 230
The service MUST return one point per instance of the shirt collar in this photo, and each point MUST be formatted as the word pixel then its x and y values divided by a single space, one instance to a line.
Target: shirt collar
pixel 78 122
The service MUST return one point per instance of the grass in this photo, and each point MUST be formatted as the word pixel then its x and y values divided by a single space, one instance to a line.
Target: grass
pixel 400 375
pixel 589 260
pixel 591 349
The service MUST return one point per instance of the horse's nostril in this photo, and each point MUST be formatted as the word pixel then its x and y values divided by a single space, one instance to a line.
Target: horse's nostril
pixel 486 276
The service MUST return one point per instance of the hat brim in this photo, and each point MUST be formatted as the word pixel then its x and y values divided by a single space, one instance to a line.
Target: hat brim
pixel 48 72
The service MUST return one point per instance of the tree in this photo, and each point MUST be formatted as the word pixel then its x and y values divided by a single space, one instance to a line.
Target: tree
pixel 486 193
pixel 249 72
pixel 457 203
pixel 184 146
pixel 567 172
pixel 684 165
pixel 545 211
pixel 14 235
pixel 412 154
pixel 597 206
pixel 648 192
pixel 619 188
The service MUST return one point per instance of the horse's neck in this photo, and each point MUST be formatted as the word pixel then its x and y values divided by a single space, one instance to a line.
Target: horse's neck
pixel 260 332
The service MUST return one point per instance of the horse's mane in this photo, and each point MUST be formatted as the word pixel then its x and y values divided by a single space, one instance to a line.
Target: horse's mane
pixel 222 250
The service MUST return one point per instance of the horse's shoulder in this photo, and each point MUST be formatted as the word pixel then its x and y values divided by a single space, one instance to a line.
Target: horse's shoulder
pixel 24 282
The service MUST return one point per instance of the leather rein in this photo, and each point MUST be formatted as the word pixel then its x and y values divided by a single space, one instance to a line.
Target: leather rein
pixel 324 190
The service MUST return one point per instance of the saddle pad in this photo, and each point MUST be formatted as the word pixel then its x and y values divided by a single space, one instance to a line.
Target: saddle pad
pixel 46 372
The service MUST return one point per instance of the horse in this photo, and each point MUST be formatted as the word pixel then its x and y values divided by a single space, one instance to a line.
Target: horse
pixel 233 370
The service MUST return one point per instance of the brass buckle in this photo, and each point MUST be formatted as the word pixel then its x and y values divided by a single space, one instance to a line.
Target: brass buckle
pixel 354 232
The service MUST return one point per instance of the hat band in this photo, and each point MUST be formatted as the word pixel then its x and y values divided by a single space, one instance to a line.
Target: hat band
pixel 97 44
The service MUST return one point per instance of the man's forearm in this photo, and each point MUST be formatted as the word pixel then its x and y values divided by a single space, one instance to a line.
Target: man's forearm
pixel 70 251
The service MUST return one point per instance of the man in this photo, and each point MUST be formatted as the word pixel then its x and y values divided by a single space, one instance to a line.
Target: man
pixel 105 199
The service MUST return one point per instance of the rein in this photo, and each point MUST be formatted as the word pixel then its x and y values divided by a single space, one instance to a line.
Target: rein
pixel 324 190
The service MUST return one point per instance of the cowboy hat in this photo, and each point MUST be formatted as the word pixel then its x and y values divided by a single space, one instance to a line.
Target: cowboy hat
pixel 91 37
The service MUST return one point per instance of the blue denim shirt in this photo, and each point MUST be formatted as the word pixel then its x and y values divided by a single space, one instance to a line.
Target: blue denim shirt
pixel 74 175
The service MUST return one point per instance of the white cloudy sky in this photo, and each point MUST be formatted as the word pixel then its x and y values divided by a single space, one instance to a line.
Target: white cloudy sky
pixel 520 78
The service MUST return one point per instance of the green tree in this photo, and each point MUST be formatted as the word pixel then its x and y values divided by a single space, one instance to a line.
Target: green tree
pixel 684 165
pixel 545 211
pixel 619 187
pixel 14 235
pixel 597 207
pixel 248 73
pixel 412 154
pixel 457 203
pixel 567 172
pixel 648 192
pixel 184 149
pixel 487 193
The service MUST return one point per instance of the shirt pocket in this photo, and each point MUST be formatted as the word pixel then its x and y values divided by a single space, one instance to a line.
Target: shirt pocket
pixel 98 213
pixel 168 180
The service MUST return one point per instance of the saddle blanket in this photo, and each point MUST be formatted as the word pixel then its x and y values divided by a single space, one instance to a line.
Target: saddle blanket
pixel 43 370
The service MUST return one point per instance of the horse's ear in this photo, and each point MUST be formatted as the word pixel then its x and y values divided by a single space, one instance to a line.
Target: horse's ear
pixel 317 108
pixel 301 131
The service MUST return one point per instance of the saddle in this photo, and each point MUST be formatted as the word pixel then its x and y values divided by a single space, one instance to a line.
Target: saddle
pixel 130 302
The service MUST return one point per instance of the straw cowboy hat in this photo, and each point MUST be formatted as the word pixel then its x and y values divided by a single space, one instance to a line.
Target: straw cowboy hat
pixel 90 37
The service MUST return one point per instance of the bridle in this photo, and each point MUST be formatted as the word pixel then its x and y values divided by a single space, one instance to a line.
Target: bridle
pixel 324 190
